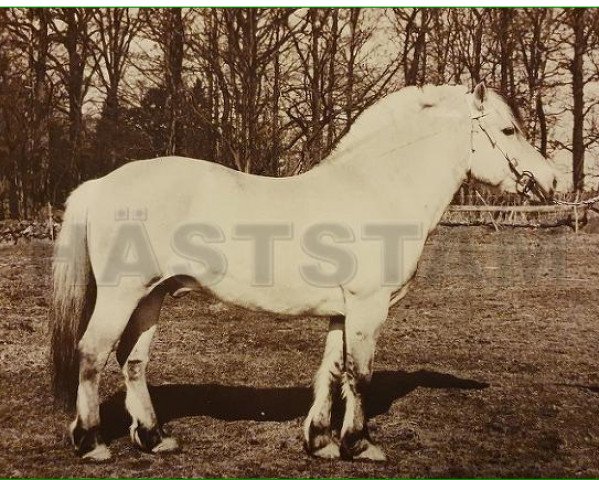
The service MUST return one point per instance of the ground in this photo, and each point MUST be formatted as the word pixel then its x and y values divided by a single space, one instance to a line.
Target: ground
pixel 489 367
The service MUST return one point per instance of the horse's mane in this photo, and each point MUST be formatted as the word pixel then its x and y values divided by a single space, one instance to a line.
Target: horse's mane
pixel 400 108
pixel 397 109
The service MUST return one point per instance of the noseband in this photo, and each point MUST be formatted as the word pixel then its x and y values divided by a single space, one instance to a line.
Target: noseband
pixel 526 182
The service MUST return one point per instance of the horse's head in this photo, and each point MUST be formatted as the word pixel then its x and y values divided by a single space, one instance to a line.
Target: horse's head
pixel 501 155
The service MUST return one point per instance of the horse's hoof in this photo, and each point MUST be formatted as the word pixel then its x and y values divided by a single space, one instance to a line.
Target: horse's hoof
pixel 329 451
pixel 361 449
pixel 372 453
pixel 167 445
pixel 88 443
pixel 152 440
pixel 99 454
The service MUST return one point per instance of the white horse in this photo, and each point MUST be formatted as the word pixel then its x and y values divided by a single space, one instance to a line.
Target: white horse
pixel 322 243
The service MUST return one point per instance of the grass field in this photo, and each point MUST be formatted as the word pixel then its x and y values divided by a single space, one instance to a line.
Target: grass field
pixel 489 367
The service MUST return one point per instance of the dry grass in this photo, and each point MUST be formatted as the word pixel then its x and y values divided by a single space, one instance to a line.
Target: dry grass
pixel 488 368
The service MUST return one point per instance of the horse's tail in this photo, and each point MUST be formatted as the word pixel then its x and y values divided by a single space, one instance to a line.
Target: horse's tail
pixel 74 294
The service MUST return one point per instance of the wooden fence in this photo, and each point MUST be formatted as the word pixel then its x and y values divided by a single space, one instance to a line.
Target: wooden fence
pixel 482 214
pixel 536 216
pixel 513 210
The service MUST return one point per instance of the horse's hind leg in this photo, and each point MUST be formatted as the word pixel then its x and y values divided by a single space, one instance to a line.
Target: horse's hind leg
pixel 112 310
pixel 364 317
pixel 133 355
pixel 318 437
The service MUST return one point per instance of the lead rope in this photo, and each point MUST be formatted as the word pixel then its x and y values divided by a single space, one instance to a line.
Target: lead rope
pixel 582 203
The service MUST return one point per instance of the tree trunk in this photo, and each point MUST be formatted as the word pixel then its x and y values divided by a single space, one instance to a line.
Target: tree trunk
pixel 173 73
pixel 112 118
pixel 576 68
pixel 75 42
pixel 540 113
pixel 354 16
pixel 276 96
pixel 315 98
pixel 505 55
pixel 38 129
pixel 332 79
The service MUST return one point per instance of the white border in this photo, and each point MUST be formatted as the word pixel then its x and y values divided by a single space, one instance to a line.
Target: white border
pixel 302 3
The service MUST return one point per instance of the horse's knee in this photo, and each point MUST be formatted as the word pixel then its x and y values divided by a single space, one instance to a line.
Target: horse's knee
pixel 359 366
pixel 360 343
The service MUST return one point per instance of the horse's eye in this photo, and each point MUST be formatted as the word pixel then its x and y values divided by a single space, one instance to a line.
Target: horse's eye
pixel 509 131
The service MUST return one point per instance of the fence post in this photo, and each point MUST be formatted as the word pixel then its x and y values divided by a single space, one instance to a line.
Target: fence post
pixel 490 214
pixel 50 222
pixel 577 199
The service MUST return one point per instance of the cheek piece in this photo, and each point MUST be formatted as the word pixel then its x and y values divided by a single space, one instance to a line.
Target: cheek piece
pixel 526 183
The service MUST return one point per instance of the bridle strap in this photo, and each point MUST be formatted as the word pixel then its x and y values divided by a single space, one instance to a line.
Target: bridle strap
pixel 524 179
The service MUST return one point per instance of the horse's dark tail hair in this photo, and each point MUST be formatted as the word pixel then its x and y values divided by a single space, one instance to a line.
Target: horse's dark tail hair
pixel 74 294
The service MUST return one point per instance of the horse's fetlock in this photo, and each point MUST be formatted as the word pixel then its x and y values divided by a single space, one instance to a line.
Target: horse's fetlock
pixel 147 438
pixel 85 439
pixel 319 436
pixel 353 442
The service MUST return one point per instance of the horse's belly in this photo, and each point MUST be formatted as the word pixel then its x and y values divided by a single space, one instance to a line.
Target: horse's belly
pixel 281 299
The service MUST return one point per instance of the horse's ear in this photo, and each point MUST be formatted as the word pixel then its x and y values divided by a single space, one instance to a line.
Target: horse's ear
pixel 480 95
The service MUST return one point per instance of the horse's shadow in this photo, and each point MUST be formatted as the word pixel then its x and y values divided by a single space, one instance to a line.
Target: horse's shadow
pixel 267 404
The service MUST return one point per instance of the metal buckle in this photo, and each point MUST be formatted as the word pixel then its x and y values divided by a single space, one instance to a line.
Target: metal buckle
pixel 528 182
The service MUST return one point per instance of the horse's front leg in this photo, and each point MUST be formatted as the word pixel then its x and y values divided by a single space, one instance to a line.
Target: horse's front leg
pixel 364 317
pixel 318 438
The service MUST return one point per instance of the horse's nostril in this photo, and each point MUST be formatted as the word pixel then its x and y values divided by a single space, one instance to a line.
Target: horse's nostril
pixel 554 184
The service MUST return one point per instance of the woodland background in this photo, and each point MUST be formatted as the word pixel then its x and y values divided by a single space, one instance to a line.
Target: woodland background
pixel 268 91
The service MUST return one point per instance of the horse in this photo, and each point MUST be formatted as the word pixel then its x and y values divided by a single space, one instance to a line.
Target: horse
pixel 340 241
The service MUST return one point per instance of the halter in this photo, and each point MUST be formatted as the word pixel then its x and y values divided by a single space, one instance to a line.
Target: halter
pixel 526 182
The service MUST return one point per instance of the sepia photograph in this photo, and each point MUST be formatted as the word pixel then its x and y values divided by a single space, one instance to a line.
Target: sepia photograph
pixel 299 242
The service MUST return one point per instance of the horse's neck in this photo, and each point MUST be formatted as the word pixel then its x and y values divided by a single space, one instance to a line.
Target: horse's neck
pixel 419 179
pixel 443 187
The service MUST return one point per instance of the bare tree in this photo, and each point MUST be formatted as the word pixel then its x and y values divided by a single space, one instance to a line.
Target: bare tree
pixel 266 91
pixel 441 39
pixel 240 54
pixel 11 125
pixel 332 50
pixel 474 23
pixel 29 40
pixel 166 27
pixel 502 51
pixel 74 64
pixel 536 37
pixel 411 26
pixel 116 29
pixel 583 39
